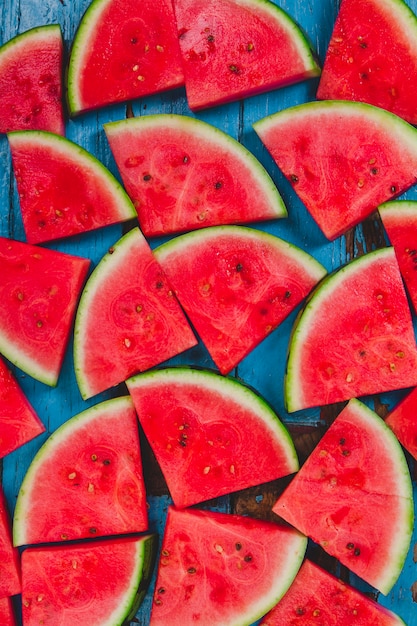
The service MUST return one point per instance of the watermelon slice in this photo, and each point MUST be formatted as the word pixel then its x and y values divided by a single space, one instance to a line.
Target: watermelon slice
pixel 96 583
pixel 343 159
pixel 210 435
pixel 183 174
pixel 31 67
pixel 63 189
pixel 86 480
pixel 353 496
pixel 217 569
pixel 402 421
pixel 355 336
pixel 19 422
pixel 232 49
pixel 123 50
pixel 317 597
pixel 7 616
pixel 400 222
pixel 357 64
pixel 237 285
pixel 10 583
pixel 128 319
pixel 39 290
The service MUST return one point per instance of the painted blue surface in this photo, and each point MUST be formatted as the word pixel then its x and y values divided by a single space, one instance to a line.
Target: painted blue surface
pixel 264 367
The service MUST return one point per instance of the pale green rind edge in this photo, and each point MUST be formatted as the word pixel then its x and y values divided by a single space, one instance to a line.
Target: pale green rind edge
pixel 400 208
pixel 322 292
pixel 23 39
pixel 228 387
pixel 69 149
pixel 28 365
pixel 209 133
pixel 54 440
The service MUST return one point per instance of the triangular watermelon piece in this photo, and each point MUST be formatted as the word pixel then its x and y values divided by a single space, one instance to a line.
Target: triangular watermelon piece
pixel 236 284
pixel 7 616
pixel 402 421
pixel 182 174
pixel 19 422
pixel 63 189
pixel 233 49
pixel 211 435
pixel 372 56
pixel 123 49
pixel 217 569
pixel 128 319
pixel 355 336
pixel 31 66
pixel 100 582
pixel 343 159
pixel 317 597
pixel 10 580
pixel 39 291
pixel 353 496
pixel 400 222
pixel 86 480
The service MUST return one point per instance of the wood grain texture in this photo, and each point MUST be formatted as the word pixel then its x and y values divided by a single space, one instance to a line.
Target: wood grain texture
pixel 264 368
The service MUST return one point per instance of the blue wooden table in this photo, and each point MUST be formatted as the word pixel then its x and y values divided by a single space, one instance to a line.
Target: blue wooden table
pixel 264 367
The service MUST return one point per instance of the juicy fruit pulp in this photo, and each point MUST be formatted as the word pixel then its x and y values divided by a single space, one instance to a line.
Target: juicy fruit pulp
pixel 353 496
pixel 343 159
pixel 10 583
pixel 201 428
pixel 183 174
pixel 402 421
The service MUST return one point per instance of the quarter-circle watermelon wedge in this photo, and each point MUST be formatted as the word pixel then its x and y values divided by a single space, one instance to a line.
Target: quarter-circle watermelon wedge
pixel 399 218
pixel 318 597
pixel 402 421
pixel 128 319
pixel 123 50
pixel 97 582
pixel 342 158
pixel 353 496
pixel 233 49
pixel 86 480
pixel 183 174
pixel 236 284
pixel 217 569
pixel 210 435
pixel 31 66
pixel 63 189
pixel 354 337
pixel 372 56
pixel 39 291
pixel 19 422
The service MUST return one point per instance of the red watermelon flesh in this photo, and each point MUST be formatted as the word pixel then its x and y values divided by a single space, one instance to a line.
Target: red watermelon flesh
pixel 39 290
pixel 400 222
pixel 10 582
pixel 353 496
pixel 355 336
pixel 317 597
pixel 128 319
pixel 402 421
pixel 211 435
pixel 123 50
pixel 31 66
pixel 232 49
pixel 237 285
pixel 19 422
pixel 343 159
pixel 63 190
pixel 86 480
pixel 7 616
pixel 372 56
pixel 182 174
pixel 217 569
pixel 95 583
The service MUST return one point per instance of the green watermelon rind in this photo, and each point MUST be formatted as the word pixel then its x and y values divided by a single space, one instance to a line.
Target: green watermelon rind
pixel 211 135
pixel 305 318
pixel 227 387
pixel 20 518
pixel 398 209
pixel 30 35
pixel 85 160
